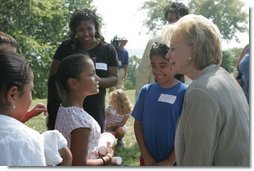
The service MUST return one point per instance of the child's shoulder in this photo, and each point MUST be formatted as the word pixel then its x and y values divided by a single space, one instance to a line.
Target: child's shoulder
pixel 183 85
pixel 110 109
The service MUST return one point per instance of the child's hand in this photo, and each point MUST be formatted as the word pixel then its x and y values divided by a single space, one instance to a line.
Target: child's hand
pixel 149 161
pixel 107 127
pixel 38 109
pixel 110 150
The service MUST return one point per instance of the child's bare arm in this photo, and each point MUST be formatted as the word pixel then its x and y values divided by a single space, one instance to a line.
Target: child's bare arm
pixel 38 109
pixel 148 159
pixel 65 153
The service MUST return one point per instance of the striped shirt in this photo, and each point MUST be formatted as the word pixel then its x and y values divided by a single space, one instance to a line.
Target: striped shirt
pixel 112 117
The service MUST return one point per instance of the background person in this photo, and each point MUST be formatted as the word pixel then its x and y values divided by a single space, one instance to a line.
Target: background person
pixel 85 37
pixel 144 75
pixel 117 113
pixel 243 70
pixel 123 60
pixel 213 129
pixel 157 110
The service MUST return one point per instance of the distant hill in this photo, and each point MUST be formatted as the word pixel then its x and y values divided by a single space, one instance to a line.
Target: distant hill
pixel 136 52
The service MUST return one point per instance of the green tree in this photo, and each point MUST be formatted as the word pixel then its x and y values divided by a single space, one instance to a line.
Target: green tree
pixel 39 27
pixel 227 61
pixel 155 14
pixel 235 54
pixel 130 81
pixel 229 18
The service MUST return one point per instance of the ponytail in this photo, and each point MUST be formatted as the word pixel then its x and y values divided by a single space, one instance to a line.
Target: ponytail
pixel 70 67
pixel 53 102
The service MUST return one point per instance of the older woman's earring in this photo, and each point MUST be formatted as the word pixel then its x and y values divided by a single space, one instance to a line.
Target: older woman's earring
pixel 14 107
pixel 190 58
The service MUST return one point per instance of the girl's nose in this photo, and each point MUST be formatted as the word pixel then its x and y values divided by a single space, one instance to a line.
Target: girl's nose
pixel 168 55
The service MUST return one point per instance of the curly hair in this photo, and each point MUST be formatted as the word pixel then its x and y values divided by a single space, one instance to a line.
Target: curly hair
pixel 178 8
pixel 84 15
pixel 159 49
pixel 120 101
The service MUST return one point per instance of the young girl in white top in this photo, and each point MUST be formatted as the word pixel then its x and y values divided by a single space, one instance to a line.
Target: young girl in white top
pixel 9 44
pixel 74 81
pixel 21 145
pixel 117 114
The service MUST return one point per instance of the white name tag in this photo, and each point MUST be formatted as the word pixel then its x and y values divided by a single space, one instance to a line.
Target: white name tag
pixel 101 66
pixel 167 98
pixel 119 62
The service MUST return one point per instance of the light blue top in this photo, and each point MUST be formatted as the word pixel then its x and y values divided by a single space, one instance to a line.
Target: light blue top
pixel 244 69
pixel 158 110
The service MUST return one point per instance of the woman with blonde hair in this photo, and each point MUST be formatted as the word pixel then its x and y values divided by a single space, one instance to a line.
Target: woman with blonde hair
pixel 213 129
pixel 117 114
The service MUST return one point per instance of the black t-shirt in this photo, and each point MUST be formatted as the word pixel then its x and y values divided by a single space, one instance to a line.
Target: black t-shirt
pixel 104 56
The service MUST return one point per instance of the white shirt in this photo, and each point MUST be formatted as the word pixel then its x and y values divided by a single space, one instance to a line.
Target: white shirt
pixel 19 144
pixel 53 141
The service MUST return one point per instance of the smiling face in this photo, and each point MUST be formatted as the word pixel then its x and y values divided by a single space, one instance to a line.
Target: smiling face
pixel 161 70
pixel 86 33
pixel 180 56
pixel 195 44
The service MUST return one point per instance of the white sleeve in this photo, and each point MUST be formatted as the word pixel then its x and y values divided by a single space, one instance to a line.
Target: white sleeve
pixel 53 141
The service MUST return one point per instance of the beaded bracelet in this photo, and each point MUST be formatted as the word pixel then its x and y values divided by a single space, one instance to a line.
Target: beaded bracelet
pixel 104 163
pixel 110 158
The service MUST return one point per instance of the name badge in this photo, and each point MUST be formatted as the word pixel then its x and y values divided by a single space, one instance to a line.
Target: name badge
pixel 167 98
pixel 119 62
pixel 101 66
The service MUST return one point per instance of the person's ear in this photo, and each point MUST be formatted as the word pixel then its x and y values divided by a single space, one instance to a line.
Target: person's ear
pixel 72 82
pixel 11 95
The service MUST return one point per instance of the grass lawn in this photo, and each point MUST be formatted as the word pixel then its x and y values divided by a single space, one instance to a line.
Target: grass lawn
pixel 130 153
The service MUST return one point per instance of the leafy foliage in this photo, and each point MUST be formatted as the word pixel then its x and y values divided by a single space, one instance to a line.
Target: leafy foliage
pixel 39 27
pixel 229 18
pixel 227 61
pixel 155 14
pixel 130 81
